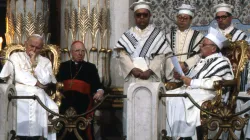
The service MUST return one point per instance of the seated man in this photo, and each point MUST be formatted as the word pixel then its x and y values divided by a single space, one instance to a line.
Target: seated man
pixel 182 116
pixel 33 74
pixel 81 87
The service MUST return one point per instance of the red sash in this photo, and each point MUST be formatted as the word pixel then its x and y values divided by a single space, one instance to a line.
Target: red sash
pixel 84 88
pixel 77 85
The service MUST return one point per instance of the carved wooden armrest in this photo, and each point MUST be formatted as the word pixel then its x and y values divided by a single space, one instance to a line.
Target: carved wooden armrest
pixel 57 97
pixel 224 83
pixel 218 85
pixel 173 85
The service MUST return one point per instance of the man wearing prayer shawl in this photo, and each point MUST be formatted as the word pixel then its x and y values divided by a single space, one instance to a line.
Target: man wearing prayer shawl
pixel 141 50
pixel 224 17
pixel 183 40
pixel 182 116
pixel 81 87
pixel 33 73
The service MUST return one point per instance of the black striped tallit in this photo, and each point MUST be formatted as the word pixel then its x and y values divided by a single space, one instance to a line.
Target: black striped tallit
pixel 131 38
pixel 209 62
pixel 232 33
pixel 209 75
pixel 149 42
pixel 214 70
pixel 172 36
pixel 191 43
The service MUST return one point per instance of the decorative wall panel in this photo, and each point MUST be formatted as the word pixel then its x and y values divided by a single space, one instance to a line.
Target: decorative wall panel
pixel 26 17
pixel 164 12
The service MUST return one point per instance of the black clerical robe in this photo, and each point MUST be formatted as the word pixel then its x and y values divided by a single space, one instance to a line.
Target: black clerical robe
pixel 81 81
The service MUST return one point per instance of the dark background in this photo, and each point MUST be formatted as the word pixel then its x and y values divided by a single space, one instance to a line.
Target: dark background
pixel 54 22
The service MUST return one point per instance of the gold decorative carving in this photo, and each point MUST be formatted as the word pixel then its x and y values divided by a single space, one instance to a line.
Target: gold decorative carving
pixel 19 29
pixel 71 123
pixel 73 23
pixel 227 120
pixel 21 23
pixel 40 24
pixel 29 24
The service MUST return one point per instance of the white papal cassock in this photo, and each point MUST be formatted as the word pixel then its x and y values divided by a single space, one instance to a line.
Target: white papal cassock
pixel 182 115
pixel 32 119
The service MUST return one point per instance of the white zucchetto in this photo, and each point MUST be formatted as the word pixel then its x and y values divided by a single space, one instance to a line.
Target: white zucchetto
pixel 216 36
pixel 223 7
pixel 141 4
pixel 186 9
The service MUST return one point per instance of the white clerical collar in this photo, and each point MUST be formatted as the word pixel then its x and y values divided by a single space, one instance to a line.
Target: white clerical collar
pixel 227 30
pixel 185 31
pixel 76 63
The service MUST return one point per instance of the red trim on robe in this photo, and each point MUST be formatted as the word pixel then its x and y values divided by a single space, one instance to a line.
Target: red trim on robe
pixel 77 85
pixel 84 88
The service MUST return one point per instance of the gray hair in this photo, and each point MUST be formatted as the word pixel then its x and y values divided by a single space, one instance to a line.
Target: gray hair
pixel 36 36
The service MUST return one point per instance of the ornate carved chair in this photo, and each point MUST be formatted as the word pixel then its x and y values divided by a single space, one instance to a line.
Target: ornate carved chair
pixel 52 52
pixel 236 53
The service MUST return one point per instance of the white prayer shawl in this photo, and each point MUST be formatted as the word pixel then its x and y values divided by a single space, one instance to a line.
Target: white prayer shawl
pixel 149 44
pixel 234 32
pixel 213 68
pixel 238 35
pixel 143 43
pixel 183 42
pixel 32 119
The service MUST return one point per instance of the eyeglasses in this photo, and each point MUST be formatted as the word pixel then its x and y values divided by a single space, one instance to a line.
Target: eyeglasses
pixel 221 17
pixel 183 18
pixel 143 15
pixel 205 45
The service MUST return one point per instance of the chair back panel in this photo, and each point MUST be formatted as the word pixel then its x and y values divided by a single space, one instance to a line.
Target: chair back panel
pixel 236 53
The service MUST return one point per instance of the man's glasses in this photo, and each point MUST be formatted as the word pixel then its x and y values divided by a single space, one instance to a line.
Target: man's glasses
pixel 184 18
pixel 143 15
pixel 205 45
pixel 221 17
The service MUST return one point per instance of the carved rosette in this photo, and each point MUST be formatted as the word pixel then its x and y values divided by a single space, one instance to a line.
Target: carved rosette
pixel 24 18
pixel 89 22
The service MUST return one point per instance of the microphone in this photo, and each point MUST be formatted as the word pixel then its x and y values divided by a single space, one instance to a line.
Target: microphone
pixel 169 55
pixel 14 73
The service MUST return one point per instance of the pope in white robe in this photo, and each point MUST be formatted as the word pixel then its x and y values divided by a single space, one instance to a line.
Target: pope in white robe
pixel 182 116
pixel 31 79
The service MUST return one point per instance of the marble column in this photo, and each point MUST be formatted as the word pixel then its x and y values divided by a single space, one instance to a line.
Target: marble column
pixel 120 15
pixel 26 17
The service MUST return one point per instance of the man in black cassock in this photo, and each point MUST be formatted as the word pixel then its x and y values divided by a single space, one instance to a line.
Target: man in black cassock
pixel 81 87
